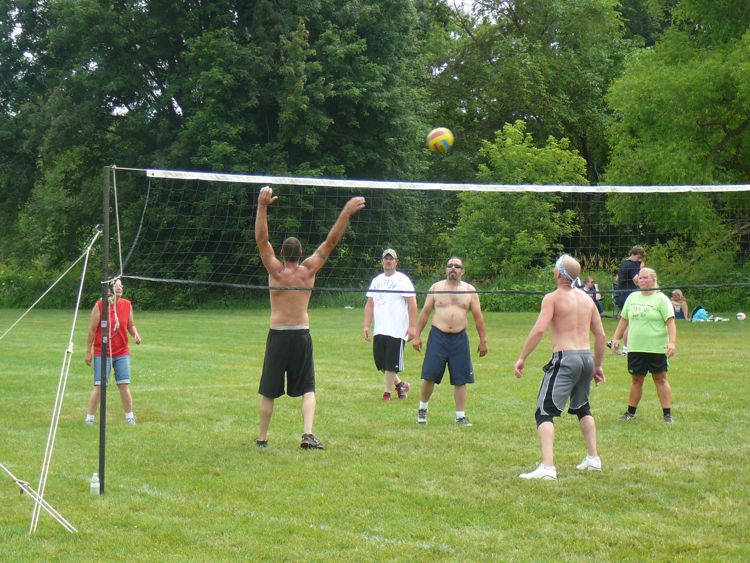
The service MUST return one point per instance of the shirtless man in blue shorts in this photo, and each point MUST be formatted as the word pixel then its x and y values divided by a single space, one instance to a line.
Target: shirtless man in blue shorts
pixel 448 343
pixel 289 349
pixel 571 314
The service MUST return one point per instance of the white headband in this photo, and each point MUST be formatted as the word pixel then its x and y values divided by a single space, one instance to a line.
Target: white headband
pixel 564 273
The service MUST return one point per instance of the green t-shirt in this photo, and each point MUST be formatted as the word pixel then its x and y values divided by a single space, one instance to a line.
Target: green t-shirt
pixel 647 317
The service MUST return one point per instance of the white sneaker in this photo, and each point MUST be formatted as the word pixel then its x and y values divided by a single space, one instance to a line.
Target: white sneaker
pixel 130 420
pixel 541 472
pixel 590 463
pixel 624 351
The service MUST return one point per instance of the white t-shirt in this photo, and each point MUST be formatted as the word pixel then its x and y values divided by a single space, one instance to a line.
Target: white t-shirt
pixel 391 312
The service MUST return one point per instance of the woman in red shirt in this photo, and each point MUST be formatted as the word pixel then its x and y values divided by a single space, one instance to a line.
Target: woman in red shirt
pixel 118 352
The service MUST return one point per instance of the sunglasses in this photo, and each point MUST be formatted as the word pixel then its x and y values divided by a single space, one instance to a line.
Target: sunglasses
pixel 455 266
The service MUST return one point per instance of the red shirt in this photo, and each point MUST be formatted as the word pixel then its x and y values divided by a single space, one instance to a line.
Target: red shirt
pixel 118 333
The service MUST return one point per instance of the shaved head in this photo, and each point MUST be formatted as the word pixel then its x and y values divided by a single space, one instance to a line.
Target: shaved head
pixel 568 268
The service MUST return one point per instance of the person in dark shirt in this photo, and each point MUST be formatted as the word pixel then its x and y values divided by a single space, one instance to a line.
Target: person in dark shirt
pixel 627 283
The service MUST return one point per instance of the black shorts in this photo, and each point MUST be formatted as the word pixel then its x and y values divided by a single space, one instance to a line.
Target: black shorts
pixel 288 352
pixel 640 363
pixel 388 352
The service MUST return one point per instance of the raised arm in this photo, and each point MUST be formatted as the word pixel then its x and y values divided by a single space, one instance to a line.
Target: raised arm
pixel 321 255
pixel 267 255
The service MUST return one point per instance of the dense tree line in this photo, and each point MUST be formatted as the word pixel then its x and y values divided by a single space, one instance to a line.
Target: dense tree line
pixel 537 91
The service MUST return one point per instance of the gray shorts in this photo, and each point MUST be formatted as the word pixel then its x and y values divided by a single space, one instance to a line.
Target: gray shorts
pixel 567 376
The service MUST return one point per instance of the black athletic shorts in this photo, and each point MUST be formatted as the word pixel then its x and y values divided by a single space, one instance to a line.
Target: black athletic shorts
pixel 288 352
pixel 388 352
pixel 640 363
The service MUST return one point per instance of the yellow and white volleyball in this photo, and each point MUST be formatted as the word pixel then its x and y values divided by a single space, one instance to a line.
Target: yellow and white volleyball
pixel 440 140
pixel 741 316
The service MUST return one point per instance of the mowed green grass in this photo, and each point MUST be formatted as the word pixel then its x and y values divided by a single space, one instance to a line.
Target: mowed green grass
pixel 188 484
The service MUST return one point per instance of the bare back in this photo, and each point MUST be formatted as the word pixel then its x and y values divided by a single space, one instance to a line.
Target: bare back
pixel 289 306
pixel 573 317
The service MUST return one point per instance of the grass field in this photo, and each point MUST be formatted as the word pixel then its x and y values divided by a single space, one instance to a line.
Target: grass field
pixel 188 484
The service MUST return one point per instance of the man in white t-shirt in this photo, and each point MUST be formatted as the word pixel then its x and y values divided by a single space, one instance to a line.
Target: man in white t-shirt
pixel 392 303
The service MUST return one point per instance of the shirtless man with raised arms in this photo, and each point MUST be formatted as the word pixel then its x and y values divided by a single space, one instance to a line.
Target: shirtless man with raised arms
pixel 289 347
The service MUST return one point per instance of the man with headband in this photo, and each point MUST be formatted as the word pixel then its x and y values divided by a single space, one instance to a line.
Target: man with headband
pixel 571 315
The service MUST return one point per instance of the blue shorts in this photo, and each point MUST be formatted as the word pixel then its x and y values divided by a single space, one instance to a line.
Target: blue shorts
pixel 121 366
pixel 451 349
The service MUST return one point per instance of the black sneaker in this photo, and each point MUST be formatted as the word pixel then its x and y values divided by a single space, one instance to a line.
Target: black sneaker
pixel 463 421
pixel 422 416
pixel 310 442
pixel 261 443
pixel 609 344
pixel 627 416
pixel 667 419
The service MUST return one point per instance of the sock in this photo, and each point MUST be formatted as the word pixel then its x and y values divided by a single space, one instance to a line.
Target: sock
pixel 90 417
pixel 128 415
pixel 667 411
pixel 460 414
pixel 631 410
pixel 422 405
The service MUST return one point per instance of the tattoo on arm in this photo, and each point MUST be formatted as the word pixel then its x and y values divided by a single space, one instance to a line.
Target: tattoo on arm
pixel 321 254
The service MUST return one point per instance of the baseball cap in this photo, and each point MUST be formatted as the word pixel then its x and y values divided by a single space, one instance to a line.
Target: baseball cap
pixel 390 251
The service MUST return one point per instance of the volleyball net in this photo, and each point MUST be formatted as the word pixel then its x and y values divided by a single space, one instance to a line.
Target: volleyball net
pixel 197 228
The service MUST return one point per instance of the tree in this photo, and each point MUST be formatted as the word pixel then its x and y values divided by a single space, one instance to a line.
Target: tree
pixel 506 234
pixel 682 116
pixel 547 62
pixel 326 87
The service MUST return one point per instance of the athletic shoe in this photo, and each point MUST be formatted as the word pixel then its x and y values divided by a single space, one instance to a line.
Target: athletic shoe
pixel 386 396
pixel 541 472
pixel 627 416
pixel 463 421
pixel 668 419
pixel 609 344
pixel 422 416
pixel 89 422
pixel 310 442
pixel 403 390
pixel 130 420
pixel 590 463
pixel 261 443
pixel 624 351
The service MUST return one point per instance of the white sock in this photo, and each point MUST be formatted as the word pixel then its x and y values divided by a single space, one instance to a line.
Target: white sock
pixel 423 405
pixel 128 415
pixel 89 417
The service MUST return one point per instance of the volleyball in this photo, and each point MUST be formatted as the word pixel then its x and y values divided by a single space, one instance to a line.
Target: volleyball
pixel 741 316
pixel 440 140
